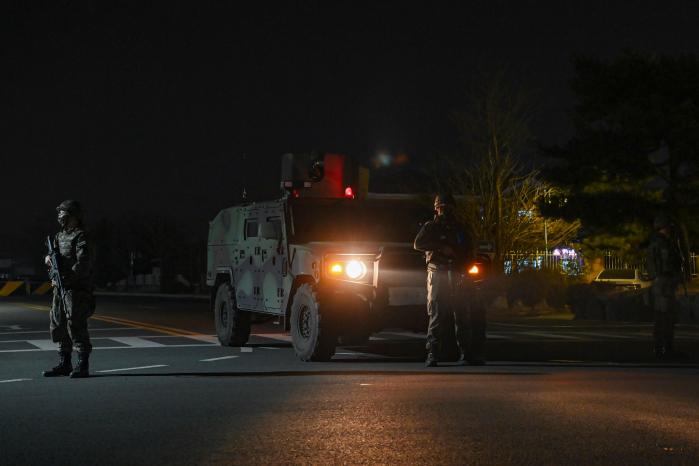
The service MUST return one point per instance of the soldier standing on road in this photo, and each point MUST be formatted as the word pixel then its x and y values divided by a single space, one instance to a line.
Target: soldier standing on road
pixel 448 248
pixel 665 268
pixel 69 316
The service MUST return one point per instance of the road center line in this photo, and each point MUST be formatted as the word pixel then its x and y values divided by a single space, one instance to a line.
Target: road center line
pixel 218 359
pixel 246 349
pixel 134 368
pixel 14 380
pixel 132 323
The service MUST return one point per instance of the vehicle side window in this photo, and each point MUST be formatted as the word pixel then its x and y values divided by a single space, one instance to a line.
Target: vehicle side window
pixel 272 228
pixel 251 227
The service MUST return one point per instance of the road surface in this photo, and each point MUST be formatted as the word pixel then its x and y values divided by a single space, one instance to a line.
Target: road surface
pixel 163 391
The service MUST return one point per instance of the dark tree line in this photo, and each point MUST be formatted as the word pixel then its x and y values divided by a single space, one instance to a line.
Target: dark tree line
pixel 635 151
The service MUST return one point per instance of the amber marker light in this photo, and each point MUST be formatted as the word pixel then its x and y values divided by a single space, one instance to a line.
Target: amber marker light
pixel 336 269
pixel 474 270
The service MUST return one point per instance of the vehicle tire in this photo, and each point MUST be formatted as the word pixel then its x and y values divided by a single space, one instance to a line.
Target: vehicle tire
pixel 232 324
pixel 312 336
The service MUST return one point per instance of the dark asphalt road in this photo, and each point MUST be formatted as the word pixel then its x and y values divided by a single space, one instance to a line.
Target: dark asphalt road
pixel 164 394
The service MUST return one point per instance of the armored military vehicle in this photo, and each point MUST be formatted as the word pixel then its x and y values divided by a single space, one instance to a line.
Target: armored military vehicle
pixel 331 262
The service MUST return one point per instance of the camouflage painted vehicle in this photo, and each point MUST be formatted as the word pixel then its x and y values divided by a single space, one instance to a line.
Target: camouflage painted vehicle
pixel 332 269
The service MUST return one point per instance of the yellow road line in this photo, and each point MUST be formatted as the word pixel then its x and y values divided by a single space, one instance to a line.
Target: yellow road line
pixel 158 328
pixel 131 323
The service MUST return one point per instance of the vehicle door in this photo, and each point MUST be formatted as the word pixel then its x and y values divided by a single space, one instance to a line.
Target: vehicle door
pixel 273 268
pixel 246 281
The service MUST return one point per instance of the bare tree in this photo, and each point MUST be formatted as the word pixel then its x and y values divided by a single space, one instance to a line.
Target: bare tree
pixel 502 192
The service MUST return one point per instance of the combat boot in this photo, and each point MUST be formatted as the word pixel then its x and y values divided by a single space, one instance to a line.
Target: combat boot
pixel 463 359
pixel 82 368
pixel 431 360
pixel 64 367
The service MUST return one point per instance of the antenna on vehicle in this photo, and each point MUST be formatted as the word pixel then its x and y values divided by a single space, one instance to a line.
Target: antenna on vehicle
pixel 245 192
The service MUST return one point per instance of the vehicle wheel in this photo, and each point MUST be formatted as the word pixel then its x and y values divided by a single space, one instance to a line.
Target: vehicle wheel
pixel 312 337
pixel 232 324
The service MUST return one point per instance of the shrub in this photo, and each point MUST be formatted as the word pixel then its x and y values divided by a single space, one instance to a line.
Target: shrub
pixel 532 286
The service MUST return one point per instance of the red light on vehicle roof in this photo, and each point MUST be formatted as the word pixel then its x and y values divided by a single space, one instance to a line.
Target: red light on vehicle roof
pixel 349 192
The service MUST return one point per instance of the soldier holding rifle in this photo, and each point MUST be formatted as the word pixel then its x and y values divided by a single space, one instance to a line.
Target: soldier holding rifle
pixel 73 301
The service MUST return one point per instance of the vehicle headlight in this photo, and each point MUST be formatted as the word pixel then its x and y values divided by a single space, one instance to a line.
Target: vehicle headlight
pixel 348 267
pixel 355 270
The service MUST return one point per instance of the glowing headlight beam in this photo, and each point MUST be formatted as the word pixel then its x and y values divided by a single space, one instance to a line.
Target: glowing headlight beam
pixel 355 269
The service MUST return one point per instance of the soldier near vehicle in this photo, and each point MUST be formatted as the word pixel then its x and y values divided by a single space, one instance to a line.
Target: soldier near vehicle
pixel 73 300
pixel 448 250
pixel 666 268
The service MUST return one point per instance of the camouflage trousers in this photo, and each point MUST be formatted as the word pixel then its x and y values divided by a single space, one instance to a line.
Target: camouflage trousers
pixel 449 299
pixel 69 320
pixel 664 294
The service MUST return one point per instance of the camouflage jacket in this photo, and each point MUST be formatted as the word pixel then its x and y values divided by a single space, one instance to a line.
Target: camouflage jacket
pixel 441 232
pixel 664 258
pixel 74 258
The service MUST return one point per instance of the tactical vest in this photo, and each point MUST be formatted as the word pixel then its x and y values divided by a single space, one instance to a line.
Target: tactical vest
pixel 74 268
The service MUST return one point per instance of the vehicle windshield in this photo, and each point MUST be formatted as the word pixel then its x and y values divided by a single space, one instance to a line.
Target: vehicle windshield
pixel 617 274
pixel 353 220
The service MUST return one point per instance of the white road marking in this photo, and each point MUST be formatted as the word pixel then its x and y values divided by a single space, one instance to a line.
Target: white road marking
pixel 134 368
pixel 44 345
pixel 55 348
pixel 14 380
pixel 245 349
pixel 268 347
pixel 12 327
pixel 218 359
pixel 136 342
pixel 205 338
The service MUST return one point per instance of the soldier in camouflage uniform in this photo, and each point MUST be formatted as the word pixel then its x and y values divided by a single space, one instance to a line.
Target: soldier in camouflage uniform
pixel 665 268
pixel 69 319
pixel 448 248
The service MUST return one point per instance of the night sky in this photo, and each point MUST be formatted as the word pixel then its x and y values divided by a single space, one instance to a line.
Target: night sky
pixel 175 108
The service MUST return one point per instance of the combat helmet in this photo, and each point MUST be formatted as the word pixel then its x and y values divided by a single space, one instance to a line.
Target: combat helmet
pixel 72 207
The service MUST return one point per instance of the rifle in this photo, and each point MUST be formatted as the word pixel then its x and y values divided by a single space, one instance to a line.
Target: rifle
pixel 55 274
